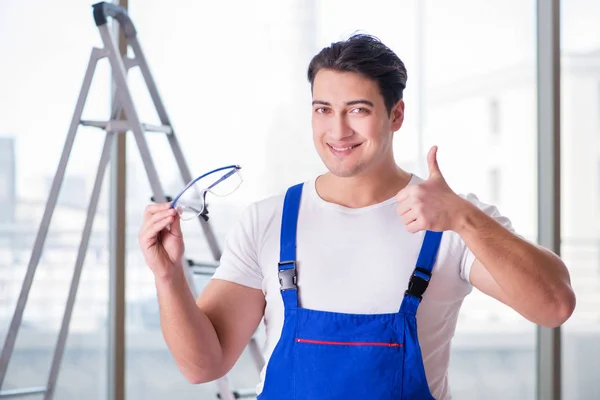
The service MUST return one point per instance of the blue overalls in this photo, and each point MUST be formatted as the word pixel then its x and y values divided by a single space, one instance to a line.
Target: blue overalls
pixel 327 355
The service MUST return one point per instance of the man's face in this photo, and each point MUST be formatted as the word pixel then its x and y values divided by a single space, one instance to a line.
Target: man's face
pixel 352 131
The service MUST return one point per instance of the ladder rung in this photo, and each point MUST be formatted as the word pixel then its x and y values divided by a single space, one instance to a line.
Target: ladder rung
pixel 95 124
pixel 130 62
pixel 205 264
pixel 203 271
pixel 158 128
pixel 22 392
pixel 116 125
pixel 203 267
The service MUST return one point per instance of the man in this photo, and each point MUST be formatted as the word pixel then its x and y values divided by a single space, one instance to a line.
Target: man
pixel 344 266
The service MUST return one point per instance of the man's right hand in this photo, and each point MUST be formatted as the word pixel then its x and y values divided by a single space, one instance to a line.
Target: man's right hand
pixel 162 247
pixel 206 336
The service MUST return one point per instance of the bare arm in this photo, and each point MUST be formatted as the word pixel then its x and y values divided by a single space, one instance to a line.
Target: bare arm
pixel 526 277
pixel 207 338
pixel 532 280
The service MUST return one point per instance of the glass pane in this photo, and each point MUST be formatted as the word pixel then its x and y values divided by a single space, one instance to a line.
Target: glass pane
pixel 41 73
pixel 480 109
pixel 580 171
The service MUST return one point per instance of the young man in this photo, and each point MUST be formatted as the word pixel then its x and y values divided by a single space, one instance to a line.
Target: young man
pixel 344 266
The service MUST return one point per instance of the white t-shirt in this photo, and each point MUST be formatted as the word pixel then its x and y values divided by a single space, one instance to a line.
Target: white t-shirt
pixel 353 260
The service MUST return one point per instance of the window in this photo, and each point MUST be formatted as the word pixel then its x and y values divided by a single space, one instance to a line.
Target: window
pixel 42 69
pixel 580 236
pixel 493 344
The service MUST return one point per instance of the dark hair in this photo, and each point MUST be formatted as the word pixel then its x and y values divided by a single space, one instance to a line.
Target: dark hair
pixel 368 56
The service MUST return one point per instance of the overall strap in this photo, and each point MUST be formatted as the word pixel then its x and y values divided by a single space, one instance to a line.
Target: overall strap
pixel 422 274
pixel 287 247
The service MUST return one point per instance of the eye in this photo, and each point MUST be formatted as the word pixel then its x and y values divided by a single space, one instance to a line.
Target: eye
pixel 321 110
pixel 359 110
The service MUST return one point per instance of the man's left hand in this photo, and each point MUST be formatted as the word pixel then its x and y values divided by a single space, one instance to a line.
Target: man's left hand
pixel 431 204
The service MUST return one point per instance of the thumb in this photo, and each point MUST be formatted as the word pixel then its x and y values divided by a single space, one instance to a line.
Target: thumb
pixel 434 168
pixel 176 226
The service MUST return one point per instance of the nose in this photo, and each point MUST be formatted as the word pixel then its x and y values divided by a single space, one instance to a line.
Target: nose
pixel 340 129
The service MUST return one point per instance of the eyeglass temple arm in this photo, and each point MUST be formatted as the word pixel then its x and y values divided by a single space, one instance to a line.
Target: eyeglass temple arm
pixel 221 179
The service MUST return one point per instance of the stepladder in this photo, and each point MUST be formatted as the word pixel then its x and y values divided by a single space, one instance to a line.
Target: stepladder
pixel 124 119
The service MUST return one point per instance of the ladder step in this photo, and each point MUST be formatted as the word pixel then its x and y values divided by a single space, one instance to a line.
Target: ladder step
pixel 158 128
pixel 205 264
pixel 117 125
pixel 206 268
pixel 203 271
pixel 22 392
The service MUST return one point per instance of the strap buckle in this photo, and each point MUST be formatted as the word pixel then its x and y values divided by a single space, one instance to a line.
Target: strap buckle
pixel 287 276
pixel 417 284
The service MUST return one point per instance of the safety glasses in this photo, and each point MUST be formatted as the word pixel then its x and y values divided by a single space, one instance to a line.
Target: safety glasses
pixel 190 203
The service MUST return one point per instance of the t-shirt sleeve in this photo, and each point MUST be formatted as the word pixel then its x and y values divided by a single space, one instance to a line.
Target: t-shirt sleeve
pixel 468 257
pixel 239 261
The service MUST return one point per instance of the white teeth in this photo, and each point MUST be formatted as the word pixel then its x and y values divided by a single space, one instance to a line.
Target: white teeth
pixel 343 148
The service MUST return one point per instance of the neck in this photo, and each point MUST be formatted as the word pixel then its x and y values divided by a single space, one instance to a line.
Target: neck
pixel 363 190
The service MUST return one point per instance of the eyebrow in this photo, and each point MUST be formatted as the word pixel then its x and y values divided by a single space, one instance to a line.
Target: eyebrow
pixel 348 103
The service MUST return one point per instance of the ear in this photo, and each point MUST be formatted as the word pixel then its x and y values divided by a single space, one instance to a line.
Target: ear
pixel 397 115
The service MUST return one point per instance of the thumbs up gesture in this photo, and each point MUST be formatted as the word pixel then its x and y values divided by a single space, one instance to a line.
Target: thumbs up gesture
pixel 431 204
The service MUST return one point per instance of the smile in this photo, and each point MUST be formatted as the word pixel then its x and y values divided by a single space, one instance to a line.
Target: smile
pixel 343 149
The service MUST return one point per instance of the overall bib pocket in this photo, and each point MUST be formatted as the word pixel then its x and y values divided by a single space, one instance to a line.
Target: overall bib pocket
pixel 347 369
